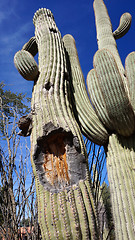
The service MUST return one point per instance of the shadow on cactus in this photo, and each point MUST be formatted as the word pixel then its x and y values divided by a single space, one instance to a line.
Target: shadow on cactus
pixel 61 112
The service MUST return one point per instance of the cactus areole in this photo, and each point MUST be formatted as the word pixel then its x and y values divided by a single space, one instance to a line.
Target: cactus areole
pixel 61 111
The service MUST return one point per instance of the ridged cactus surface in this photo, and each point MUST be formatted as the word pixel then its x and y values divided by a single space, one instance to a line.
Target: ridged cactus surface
pixel 66 206
pixel 26 65
pixel 111 89
pixel 61 111
pixel 121 170
pixel 91 126
pixel 113 97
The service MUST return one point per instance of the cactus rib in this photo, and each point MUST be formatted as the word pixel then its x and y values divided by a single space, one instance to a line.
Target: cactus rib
pixel 130 74
pixel 122 178
pixel 26 65
pixel 115 97
pixel 87 117
pixel 105 36
pixel 97 99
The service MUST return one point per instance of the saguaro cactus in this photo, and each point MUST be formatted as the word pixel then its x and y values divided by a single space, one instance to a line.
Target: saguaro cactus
pixel 66 206
pixel 61 111
pixel 111 89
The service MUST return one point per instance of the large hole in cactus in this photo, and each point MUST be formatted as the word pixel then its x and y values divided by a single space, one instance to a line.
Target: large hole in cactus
pixel 58 160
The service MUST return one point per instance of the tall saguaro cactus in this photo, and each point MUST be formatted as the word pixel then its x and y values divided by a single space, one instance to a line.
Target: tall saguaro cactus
pixel 61 111
pixel 111 90
pixel 66 206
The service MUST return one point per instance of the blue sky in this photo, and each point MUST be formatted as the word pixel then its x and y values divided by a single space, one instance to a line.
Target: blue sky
pixel 72 16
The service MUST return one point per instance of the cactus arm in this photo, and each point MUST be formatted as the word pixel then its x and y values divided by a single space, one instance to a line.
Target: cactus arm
pixel 116 100
pixel 31 46
pixel 97 99
pixel 120 158
pixel 26 65
pixel 130 74
pixel 124 26
pixel 90 124
pixel 117 93
pixel 105 36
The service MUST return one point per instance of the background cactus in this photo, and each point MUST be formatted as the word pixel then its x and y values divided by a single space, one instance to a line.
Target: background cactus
pixel 112 94
pixel 61 111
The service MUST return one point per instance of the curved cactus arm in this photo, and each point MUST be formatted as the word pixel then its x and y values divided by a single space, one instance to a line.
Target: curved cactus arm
pixel 130 74
pixel 90 123
pixel 97 99
pixel 124 25
pixel 117 104
pixel 26 65
pixel 31 46
pixel 121 168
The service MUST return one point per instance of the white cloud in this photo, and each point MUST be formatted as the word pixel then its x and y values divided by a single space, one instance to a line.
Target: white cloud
pixel 13 36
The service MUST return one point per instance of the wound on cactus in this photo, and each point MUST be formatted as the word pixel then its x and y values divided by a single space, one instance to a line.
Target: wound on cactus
pixel 58 160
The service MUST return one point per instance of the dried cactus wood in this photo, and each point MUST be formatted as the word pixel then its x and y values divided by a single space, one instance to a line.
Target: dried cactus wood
pixel 66 206
pixel 112 95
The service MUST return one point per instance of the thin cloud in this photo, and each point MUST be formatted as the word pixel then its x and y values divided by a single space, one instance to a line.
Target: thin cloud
pixel 6 12
pixel 10 43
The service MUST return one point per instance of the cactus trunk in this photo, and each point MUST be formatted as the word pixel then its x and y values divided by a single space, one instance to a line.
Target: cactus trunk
pixel 66 206
pixel 121 169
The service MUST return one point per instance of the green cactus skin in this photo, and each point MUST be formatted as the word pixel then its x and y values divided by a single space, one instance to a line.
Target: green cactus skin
pixel 121 169
pixel 91 126
pixel 112 94
pixel 115 99
pixel 26 65
pixel 130 74
pixel 97 99
pixel 66 207
pixel 105 37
